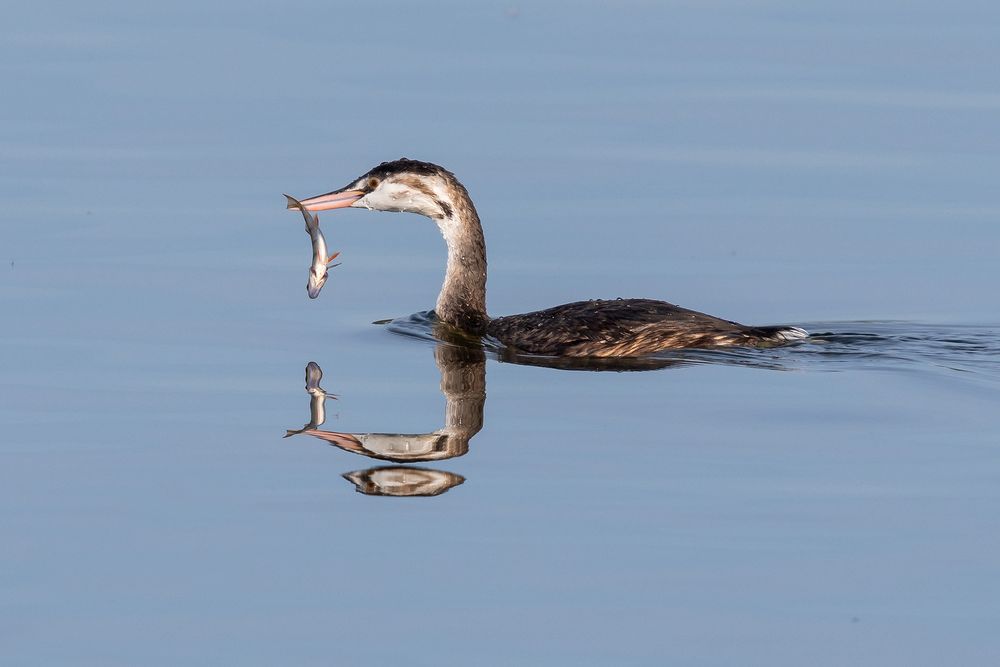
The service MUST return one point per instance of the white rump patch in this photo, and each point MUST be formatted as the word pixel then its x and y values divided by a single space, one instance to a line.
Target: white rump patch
pixel 791 333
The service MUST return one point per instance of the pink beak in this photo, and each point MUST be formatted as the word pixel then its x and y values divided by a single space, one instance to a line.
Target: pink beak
pixel 332 200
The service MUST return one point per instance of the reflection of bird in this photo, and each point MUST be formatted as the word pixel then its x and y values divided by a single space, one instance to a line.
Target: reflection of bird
pixel 599 328
pixel 463 383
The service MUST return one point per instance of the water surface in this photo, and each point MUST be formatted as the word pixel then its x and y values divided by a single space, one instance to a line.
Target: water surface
pixel 833 502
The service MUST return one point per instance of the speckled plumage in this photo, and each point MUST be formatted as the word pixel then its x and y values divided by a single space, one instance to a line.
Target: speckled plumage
pixel 622 328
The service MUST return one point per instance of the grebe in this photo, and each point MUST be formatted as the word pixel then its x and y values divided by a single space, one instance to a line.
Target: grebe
pixel 597 328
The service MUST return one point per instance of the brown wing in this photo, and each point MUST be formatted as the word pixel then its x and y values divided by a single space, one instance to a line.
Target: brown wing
pixel 622 327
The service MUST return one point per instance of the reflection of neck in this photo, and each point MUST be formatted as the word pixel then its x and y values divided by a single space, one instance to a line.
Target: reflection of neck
pixel 463 383
pixel 462 301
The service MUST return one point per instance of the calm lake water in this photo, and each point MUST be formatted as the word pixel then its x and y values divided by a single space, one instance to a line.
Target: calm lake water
pixel 833 502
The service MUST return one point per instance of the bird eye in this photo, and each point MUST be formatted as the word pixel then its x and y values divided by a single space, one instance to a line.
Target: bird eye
pixel 372 183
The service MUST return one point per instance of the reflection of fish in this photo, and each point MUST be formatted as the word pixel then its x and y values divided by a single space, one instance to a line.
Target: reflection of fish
pixel 317 399
pixel 318 270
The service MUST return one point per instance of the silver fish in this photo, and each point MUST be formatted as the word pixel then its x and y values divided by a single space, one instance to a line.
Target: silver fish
pixel 320 263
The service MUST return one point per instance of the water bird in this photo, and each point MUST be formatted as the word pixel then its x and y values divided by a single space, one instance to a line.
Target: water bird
pixel 321 263
pixel 594 328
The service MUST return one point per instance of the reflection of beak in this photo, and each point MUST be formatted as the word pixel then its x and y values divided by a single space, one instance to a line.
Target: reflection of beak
pixel 331 200
pixel 346 441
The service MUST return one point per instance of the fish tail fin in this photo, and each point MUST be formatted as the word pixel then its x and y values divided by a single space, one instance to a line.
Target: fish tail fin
pixel 292 202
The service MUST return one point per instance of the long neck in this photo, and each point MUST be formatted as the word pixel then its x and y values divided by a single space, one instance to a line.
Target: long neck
pixel 462 301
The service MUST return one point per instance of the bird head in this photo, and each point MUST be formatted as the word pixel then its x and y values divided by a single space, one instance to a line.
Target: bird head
pixel 402 185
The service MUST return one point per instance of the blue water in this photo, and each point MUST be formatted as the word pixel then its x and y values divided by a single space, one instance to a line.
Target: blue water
pixel 827 503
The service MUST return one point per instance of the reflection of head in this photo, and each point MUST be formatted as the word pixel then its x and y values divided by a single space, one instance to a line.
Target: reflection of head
pixel 398 447
pixel 403 481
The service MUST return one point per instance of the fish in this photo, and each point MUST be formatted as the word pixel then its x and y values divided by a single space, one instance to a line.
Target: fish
pixel 321 262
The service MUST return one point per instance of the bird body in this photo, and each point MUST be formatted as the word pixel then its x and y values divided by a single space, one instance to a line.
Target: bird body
pixel 627 328
pixel 597 328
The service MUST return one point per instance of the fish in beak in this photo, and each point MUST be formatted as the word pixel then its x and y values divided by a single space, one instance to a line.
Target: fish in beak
pixel 321 261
